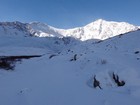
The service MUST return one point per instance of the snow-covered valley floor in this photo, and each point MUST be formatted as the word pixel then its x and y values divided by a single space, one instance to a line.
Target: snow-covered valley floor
pixel 56 79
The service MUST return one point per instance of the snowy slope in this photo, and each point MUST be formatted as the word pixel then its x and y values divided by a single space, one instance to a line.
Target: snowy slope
pixel 56 80
pixel 14 29
pixel 100 29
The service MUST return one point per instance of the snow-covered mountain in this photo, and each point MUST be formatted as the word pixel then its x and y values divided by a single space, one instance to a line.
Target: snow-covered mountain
pixel 100 29
pixel 54 69
pixel 14 28
pixel 66 77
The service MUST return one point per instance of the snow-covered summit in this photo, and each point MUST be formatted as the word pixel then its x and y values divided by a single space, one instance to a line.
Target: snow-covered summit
pixel 99 29
pixel 102 29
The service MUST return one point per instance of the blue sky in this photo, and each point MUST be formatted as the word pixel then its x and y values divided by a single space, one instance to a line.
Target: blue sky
pixel 70 13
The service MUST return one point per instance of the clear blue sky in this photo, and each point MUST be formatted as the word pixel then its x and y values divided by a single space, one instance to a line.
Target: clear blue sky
pixel 70 13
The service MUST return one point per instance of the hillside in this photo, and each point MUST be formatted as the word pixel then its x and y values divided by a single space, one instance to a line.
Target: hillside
pixel 63 75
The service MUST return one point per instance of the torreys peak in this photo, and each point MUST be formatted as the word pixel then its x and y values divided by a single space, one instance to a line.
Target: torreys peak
pixel 99 29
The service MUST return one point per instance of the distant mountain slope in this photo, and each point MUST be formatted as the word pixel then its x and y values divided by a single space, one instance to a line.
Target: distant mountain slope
pixel 14 28
pixel 100 29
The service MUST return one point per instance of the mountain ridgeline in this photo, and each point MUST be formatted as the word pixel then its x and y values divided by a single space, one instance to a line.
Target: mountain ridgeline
pixel 99 29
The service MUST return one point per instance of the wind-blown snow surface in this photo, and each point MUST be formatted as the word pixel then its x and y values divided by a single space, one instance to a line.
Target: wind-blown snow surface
pixel 99 29
pixel 59 81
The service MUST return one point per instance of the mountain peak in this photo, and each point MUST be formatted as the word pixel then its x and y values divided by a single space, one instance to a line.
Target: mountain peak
pixel 99 29
pixel 102 29
pixel 99 20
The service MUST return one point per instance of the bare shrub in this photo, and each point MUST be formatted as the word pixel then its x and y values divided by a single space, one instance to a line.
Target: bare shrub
pixel 9 62
pixel 74 58
pixel 117 81
pixel 103 61
pixel 7 65
pixel 96 83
